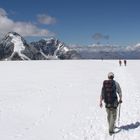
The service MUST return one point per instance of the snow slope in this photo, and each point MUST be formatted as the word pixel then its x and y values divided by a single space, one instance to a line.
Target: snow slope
pixel 18 46
pixel 59 100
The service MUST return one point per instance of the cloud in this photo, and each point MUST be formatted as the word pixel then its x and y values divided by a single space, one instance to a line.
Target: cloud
pixel 28 29
pixel 46 19
pixel 99 36
pixel 2 12
pixel 23 28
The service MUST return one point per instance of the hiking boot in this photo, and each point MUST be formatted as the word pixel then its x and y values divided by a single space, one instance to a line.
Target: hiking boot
pixel 111 132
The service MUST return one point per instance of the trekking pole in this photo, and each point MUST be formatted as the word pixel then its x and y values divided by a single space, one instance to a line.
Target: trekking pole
pixel 119 114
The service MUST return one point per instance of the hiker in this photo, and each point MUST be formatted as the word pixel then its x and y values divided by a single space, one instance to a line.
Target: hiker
pixel 125 62
pixel 109 95
pixel 120 62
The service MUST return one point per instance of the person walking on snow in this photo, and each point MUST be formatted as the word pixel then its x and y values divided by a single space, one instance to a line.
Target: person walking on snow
pixel 109 92
pixel 125 62
pixel 120 62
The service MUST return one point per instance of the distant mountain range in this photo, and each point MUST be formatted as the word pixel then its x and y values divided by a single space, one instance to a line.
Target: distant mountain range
pixel 14 47
pixel 108 51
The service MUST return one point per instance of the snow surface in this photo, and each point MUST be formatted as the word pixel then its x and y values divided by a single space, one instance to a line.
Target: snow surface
pixel 18 46
pixel 66 49
pixel 59 100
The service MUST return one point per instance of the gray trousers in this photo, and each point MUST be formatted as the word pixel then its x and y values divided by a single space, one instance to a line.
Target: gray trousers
pixel 111 117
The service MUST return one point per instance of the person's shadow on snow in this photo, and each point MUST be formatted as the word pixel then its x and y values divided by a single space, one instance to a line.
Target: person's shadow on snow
pixel 130 126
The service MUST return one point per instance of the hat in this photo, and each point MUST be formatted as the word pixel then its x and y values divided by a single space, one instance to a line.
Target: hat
pixel 111 74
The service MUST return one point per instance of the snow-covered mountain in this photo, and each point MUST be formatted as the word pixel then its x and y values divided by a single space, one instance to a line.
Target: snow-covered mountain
pixel 53 48
pixel 14 47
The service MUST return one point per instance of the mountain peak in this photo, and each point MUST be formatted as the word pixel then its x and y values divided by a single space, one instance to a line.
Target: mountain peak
pixel 14 47
pixel 13 33
pixel 13 36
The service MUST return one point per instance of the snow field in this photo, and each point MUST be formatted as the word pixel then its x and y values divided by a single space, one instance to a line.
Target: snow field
pixel 59 100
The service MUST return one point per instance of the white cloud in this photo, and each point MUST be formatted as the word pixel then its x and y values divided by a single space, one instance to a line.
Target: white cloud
pixel 23 28
pixel 46 19
pixel 2 12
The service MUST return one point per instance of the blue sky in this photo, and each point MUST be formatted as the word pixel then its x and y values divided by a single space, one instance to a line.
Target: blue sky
pixel 73 21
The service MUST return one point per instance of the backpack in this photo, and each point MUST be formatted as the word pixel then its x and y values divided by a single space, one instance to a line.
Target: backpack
pixel 109 93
